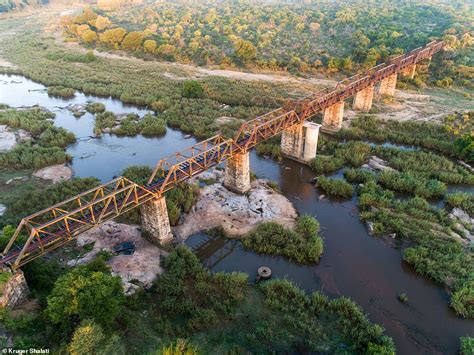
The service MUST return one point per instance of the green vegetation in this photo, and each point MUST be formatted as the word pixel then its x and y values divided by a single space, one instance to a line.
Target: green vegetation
pixel 430 136
pixel 51 140
pixel 131 125
pixel 95 107
pixel 192 89
pixel 61 91
pixel 302 245
pixel 412 184
pixel 218 311
pixel 467 345
pixel 463 200
pixel 34 200
pixel 271 147
pixel 335 187
pixel 335 155
pixel 306 38
pixel 402 297
pixel 4 277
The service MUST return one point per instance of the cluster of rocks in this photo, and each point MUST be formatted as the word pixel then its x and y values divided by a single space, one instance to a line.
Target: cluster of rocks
pixel 78 110
pixel 236 214
pixel 55 173
pixel 377 164
pixel 463 224
pixel 10 138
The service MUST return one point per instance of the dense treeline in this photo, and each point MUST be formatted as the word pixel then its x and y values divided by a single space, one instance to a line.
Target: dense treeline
pixel 322 36
pixel 83 310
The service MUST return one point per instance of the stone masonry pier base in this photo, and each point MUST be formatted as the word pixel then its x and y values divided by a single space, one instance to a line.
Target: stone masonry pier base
pixel 14 291
pixel 155 220
pixel 332 117
pixel 363 99
pixel 237 173
pixel 387 85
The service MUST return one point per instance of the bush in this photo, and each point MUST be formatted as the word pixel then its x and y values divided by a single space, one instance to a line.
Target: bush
pixel 462 301
pixel 24 156
pixel 467 345
pixel 95 107
pixel 303 245
pixel 83 294
pixel 192 89
pixel 462 200
pixel 56 137
pixel 335 187
pixel 61 91
pixel 89 338
pixel 412 183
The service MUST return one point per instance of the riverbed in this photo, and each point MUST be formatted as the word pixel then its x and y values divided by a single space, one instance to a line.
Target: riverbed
pixel 368 270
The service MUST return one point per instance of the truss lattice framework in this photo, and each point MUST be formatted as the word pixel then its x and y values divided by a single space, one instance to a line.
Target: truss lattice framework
pixel 48 229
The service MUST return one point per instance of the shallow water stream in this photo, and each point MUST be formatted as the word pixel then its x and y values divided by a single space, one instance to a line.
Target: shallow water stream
pixel 354 264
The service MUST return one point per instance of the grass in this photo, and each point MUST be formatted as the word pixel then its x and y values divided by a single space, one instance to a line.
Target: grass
pixel 4 278
pixel 302 245
pixel 61 91
pixel 335 187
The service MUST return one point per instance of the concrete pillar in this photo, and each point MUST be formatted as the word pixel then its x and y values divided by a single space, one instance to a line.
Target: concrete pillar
pixel 292 142
pixel 300 142
pixel 155 220
pixel 237 173
pixel 363 99
pixel 14 291
pixel 387 85
pixel 332 118
pixel 409 71
pixel 310 141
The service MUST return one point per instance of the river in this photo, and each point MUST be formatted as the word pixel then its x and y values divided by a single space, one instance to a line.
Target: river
pixel 368 270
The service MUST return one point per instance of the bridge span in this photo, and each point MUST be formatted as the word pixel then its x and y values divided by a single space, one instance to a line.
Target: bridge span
pixel 52 227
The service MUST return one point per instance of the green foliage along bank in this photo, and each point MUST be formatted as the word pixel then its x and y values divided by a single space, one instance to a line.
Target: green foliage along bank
pixel 335 187
pixel 302 245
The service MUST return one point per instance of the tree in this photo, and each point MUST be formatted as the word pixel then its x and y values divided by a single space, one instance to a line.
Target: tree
pixel 113 37
pixel 83 294
pixel 192 89
pixel 101 23
pixel 133 41
pixel 89 36
pixel 81 29
pixel 89 338
pixel 149 46
pixel 244 50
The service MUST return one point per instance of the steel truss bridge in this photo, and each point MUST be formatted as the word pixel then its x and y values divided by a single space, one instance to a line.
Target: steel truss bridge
pixel 52 227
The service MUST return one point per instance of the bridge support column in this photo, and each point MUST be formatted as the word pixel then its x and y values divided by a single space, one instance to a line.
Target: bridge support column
pixel 155 220
pixel 237 173
pixel 409 71
pixel 300 142
pixel 332 117
pixel 363 99
pixel 15 290
pixel 387 85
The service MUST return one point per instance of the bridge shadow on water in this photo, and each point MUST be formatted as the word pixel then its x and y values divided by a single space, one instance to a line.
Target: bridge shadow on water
pixel 368 270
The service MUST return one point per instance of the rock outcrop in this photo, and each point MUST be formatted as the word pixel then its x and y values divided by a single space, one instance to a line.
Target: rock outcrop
pixel 7 139
pixel 55 173
pixel 377 164
pixel 236 214
pixel 138 269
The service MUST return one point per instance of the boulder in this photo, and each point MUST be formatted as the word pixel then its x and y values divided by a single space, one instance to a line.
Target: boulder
pixel 55 173
pixel 7 139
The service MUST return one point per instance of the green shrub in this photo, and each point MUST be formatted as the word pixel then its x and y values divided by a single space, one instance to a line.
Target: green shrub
pixel 462 200
pixel 61 91
pixel 326 164
pixel 192 89
pixel 56 137
pixel 335 187
pixel 24 156
pixel 95 107
pixel 467 345
pixel 462 301
pixel 303 245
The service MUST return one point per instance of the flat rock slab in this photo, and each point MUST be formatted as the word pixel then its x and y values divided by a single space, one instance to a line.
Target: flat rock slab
pixel 55 173
pixel 236 214
pixel 3 209
pixel 7 139
pixel 141 267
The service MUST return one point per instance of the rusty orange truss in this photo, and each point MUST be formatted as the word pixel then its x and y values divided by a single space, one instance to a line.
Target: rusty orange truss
pixel 48 229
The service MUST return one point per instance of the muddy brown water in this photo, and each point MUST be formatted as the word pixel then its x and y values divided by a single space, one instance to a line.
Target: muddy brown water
pixel 368 270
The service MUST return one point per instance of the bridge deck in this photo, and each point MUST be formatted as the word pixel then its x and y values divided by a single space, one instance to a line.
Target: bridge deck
pixel 51 228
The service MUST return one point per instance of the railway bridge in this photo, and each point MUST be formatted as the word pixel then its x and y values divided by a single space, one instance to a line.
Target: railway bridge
pixel 57 225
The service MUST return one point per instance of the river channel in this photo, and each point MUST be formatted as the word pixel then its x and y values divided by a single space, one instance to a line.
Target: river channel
pixel 368 270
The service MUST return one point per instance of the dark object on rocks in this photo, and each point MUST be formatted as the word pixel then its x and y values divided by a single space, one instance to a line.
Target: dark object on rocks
pixel 126 248
pixel 263 273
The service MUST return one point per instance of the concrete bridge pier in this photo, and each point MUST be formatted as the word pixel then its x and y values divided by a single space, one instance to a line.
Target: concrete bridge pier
pixel 155 221
pixel 332 117
pixel 363 99
pixel 237 173
pixel 300 142
pixel 409 71
pixel 387 85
